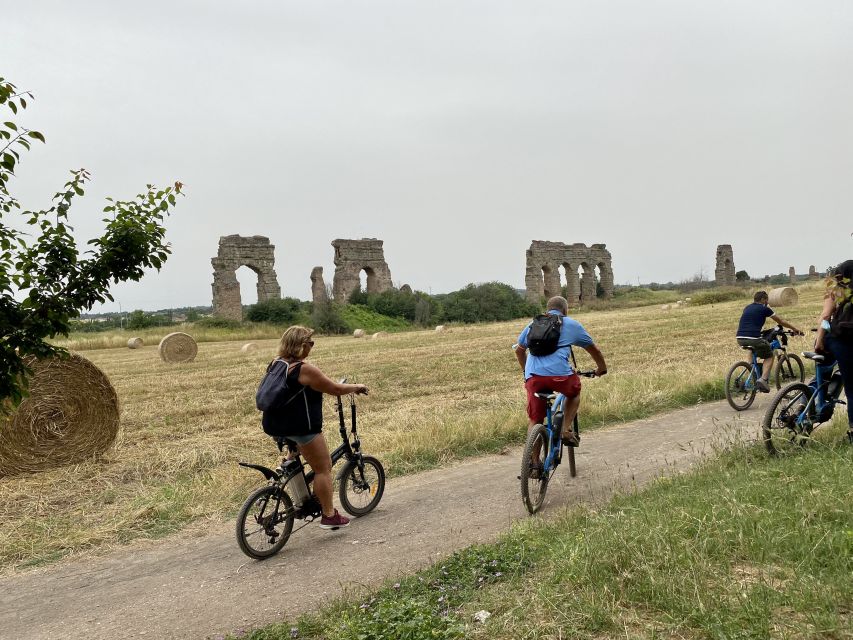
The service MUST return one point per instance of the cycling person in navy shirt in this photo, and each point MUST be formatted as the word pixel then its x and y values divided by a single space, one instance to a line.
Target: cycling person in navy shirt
pixel 554 372
pixel 749 334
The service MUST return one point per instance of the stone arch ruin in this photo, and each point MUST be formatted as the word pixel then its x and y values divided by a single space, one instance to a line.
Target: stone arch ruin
pixel 254 252
pixel 544 260
pixel 724 274
pixel 351 258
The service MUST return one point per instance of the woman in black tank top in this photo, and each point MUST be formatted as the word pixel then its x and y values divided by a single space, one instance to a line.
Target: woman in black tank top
pixel 301 420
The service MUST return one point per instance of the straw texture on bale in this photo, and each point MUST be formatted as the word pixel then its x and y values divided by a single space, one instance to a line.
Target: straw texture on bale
pixel 440 327
pixel 178 347
pixel 358 333
pixel 70 415
pixel 783 297
pixel 134 343
pixel 249 347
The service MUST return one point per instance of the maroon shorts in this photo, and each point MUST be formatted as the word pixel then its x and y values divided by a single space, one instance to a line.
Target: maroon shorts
pixel 569 386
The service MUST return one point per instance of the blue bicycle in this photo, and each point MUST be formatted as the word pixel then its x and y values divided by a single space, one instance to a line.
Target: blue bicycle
pixel 741 378
pixel 799 408
pixel 547 440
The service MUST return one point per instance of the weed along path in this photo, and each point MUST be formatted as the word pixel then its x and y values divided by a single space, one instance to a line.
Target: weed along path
pixel 202 586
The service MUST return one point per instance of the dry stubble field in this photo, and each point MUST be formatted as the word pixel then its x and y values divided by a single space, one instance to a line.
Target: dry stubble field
pixel 434 397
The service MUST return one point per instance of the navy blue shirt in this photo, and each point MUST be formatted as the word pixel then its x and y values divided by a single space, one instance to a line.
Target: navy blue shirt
pixel 752 320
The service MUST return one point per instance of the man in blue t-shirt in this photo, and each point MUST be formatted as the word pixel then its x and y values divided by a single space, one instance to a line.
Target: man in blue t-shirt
pixel 554 372
pixel 749 334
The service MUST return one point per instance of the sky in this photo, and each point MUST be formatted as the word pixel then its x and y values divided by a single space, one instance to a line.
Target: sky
pixel 457 131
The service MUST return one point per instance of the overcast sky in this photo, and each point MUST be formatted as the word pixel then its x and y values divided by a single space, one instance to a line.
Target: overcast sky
pixel 456 131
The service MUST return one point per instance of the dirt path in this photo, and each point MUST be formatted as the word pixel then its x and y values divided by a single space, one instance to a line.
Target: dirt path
pixel 204 586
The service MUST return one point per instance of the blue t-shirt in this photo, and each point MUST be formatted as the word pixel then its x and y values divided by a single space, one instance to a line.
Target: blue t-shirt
pixel 557 363
pixel 752 320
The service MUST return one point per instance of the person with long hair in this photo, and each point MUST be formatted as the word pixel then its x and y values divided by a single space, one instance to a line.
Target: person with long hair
pixel 835 333
pixel 300 421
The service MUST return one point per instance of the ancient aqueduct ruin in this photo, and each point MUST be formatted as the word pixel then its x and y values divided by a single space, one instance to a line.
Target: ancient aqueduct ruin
pixel 351 258
pixel 544 260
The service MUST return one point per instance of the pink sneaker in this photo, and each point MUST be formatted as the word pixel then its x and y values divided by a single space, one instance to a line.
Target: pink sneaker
pixel 337 521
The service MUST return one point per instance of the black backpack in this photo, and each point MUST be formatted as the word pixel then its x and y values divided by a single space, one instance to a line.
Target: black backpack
pixel 272 392
pixel 544 334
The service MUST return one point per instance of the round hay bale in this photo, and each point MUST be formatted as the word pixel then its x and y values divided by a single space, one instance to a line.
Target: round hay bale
pixel 178 347
pixel 249 347
pixel 686 299
pixel 783 297
pixel 440 327
pixel 665 307
pixel 377 335
pixel 134 343
pixel 70 415
pixel 358 333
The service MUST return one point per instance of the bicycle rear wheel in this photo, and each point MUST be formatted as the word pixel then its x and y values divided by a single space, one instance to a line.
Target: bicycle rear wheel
pixel 782 435
pixel 265 522
pixel 359 491
pixel 534 479
pixel 790 370
pixel 740 386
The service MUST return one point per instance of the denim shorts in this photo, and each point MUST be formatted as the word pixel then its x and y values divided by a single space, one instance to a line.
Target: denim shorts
pixel 759 345
pixel 301 440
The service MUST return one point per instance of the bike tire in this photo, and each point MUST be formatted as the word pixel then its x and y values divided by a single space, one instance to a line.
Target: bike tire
pixel 281 527
pixel 352 487
pixel 779 430
pixel 739 393
pixel 790 369
pixel 533 489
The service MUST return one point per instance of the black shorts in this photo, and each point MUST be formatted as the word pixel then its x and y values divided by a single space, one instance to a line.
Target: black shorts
pixel 759 345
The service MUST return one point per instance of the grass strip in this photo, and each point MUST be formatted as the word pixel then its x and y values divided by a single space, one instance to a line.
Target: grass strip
pixel 747 546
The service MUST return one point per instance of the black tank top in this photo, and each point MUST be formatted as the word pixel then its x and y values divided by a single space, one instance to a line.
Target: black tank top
pixel 303 413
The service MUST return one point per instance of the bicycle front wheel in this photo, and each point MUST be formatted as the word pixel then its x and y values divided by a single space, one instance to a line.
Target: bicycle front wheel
pixel 790 370
pixel 361 489
pixel 740 386
pixel 265 522
pixel 534 478
pixel 782 435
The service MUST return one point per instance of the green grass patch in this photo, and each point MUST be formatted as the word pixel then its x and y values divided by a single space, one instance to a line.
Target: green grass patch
pixel 358 316
pixel 720 294
pixel 748 546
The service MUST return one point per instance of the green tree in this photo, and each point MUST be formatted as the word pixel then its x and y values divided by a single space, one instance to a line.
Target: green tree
pixel 45 278
pixel 741 276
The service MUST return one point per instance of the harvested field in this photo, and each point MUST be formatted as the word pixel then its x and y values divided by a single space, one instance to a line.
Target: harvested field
pixel 434 397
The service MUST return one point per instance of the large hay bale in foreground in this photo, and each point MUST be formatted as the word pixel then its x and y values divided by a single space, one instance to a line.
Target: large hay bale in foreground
pixel 134 343
pixel 71 414
pixel 783 297
pixel 178 347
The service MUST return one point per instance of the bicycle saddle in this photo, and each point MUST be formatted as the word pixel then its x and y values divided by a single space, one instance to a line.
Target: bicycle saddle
pixel 748 348
pixel 546 395
pixel 811 355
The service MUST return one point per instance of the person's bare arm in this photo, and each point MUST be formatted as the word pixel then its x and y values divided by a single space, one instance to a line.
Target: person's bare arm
pixel 312 377
pixel 825 314
pixel 779 320
pixel 601 365
pixel 521 355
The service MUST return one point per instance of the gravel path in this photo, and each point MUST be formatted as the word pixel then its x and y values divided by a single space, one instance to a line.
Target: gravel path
pixel 203 586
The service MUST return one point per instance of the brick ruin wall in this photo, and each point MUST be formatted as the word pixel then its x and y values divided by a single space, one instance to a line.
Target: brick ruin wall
pixel 236 251
pixel 544 259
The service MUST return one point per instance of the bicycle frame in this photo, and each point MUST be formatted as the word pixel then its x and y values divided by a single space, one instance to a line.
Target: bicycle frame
pixel 555 438
pixel 818 400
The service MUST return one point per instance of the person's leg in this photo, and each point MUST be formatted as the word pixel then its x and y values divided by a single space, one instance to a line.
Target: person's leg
pixel 536 412
pixel 316 453
pixel 844 356
pixel 767 367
